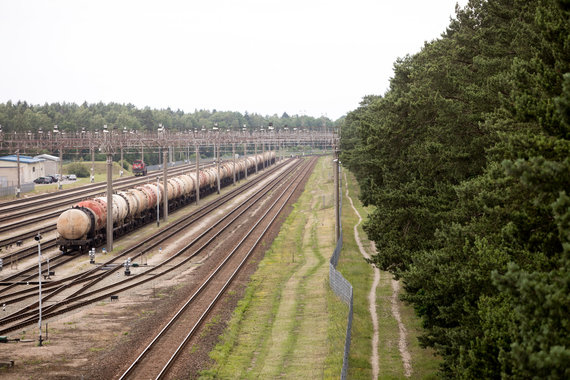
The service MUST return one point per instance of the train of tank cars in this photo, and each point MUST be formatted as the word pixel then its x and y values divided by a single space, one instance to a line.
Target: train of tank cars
pixel 84 225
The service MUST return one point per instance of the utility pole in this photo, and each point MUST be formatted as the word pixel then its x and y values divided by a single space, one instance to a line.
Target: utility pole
pixel 218 167
pixel 255 156
pixel 18 170
pixel 157 201
pixel 197 190
pixel 216 134
pixel 38 237
pixel 92 164
pixel 244 157
pixel 234 156
pixel 60 167
pixel 109 201
pixel 108 147
pixel 263 154
pixel 165 185
pixel 122 164
pixel 336 193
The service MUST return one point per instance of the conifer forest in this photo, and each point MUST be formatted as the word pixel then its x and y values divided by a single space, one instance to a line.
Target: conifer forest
pixel 466 159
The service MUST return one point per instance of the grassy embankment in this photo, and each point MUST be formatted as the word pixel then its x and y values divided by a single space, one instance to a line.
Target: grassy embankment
pixel 289 323
pixel 282 326
pixel 358 272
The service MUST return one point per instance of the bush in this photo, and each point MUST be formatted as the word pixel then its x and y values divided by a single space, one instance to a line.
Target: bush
pixel 126 166
pixel 78 169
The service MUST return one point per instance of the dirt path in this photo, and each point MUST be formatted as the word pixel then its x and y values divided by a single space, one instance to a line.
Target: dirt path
pixel 374 361
pixel 402 341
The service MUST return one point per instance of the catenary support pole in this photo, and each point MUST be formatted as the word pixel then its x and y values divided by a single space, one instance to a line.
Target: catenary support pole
pixel 92 165
pixel 218 168
pixel 122 164
pixel 109 202
pixel 244 157
pixel 234 156
pixel 255 153
pixel 38 238
pixel 19 186
pixel 197 190
pixel 164 184
pixel 59 178
pixel 157 202
pixel 263 154
pixel 336 195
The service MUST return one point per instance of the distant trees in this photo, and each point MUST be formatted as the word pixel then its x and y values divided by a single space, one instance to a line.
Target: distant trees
pixel 467 160
pixel 22 117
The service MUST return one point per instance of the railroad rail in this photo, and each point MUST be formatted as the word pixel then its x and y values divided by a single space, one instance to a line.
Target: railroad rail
pixel 71 197
pixel 28 314
pixel 14 209
pixel 229 267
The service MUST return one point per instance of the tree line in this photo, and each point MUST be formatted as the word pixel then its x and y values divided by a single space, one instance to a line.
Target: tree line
pixel 70 117
pixel 466 158
pixel 23 117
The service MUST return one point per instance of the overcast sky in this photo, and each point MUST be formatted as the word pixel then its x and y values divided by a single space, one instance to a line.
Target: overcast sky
pixel 314 57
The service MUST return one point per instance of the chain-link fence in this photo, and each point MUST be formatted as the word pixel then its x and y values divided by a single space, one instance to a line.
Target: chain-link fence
pixel 343 289
pixel 11 189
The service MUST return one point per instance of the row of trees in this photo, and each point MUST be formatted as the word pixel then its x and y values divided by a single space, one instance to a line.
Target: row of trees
pixel 23 117
pixel 70 117
pixel 467 160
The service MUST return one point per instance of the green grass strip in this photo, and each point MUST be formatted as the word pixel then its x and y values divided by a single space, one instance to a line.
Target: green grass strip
pixel 289 324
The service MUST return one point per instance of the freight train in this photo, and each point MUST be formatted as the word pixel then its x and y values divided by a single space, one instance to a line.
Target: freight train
pixel 84 225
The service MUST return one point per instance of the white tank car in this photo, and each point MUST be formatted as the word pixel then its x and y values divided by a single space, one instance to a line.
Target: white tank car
pixel 83 225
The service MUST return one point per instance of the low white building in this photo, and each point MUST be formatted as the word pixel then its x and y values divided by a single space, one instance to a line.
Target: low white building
pixel 51 163
pixel 30 169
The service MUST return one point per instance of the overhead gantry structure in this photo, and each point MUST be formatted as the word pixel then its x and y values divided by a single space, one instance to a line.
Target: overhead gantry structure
pixel 116 139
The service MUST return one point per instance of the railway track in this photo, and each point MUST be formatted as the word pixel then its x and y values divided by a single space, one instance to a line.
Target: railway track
pixel 26 252
pixel 49 219
pixel 51 242
pixel 62 197
pixel 90 279
pixel 158 358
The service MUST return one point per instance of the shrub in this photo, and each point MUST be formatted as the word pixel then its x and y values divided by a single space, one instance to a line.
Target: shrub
pixel 78 169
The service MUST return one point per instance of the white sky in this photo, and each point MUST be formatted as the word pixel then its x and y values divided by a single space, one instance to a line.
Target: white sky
pixel 315 57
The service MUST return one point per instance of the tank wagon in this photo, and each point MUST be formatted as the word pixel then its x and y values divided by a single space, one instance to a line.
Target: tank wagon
pixel 83 226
